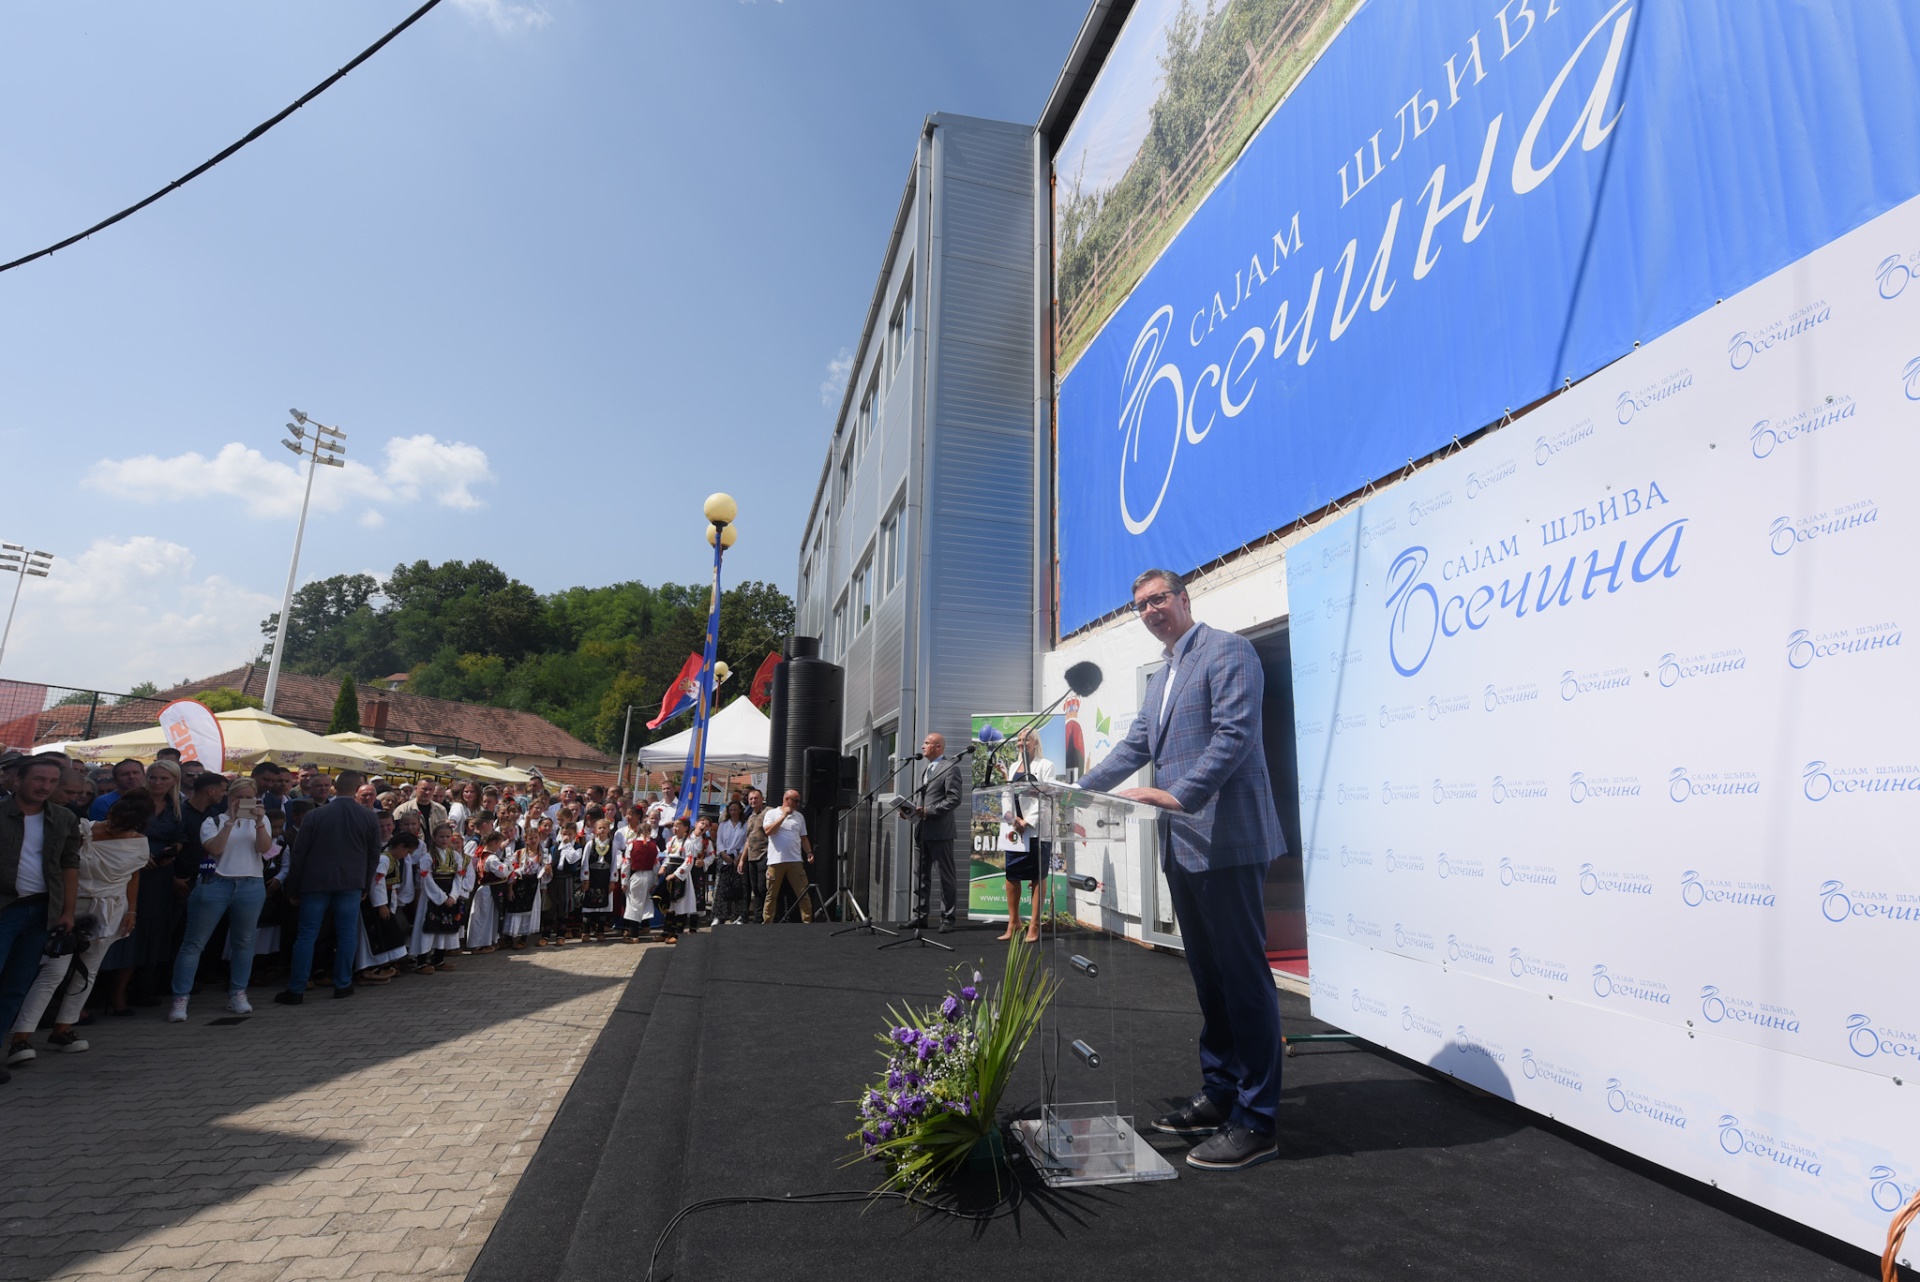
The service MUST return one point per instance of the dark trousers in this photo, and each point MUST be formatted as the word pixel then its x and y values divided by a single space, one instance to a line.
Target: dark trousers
pixel 756 884
pixel 23 937
pixel 934 855
pixel 1223 927
pixel 344 905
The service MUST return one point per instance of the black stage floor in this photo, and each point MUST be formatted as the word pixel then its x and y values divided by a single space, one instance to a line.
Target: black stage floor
pixel 727 1067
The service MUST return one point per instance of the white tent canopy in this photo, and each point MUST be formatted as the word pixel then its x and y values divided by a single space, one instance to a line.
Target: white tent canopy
pixel 736 740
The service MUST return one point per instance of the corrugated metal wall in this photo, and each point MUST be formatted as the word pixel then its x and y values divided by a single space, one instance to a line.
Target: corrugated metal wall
pixel 980 484
pixel 974 307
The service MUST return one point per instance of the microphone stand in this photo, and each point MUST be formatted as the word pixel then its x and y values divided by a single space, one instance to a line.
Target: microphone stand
pixel 919 935
pixel 873 840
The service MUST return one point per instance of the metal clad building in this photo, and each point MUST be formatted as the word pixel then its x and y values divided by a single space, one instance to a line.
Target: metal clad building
pixel 919 558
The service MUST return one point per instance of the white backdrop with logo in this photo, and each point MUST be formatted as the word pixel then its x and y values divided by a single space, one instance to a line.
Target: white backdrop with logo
pixel 1609 772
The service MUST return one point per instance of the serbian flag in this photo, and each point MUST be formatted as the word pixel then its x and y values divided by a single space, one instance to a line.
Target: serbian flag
pixel 683 694
pixel 762 690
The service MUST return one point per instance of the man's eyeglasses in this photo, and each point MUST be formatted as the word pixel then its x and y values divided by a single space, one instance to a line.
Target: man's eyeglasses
pixel 1153 602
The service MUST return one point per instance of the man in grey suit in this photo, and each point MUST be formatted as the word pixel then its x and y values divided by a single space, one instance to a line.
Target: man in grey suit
pixel 333 861
pixel 939 797
pixel 1199 724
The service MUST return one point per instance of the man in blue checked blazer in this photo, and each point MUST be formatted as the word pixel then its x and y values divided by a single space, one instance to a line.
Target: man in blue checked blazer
pixel 1199 724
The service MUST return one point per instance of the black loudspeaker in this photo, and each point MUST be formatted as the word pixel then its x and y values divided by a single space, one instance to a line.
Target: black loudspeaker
pixel 815 690
pixel 820 779
pixel 777 736
pixel 830 780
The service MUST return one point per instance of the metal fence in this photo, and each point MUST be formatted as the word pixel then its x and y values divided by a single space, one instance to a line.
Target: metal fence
pixel 32 714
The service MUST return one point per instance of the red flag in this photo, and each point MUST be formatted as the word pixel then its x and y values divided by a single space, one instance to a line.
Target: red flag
pixel 762 691
pixel 682 694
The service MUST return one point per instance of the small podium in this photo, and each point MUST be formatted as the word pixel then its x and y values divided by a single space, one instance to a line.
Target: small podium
pixel 1085 1132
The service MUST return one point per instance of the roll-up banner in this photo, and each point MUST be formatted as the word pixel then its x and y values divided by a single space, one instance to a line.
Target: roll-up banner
pixel 1608 771
pixel 1460 208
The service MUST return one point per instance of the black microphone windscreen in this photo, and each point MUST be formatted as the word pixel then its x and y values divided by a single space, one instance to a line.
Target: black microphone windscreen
pixel 1084 678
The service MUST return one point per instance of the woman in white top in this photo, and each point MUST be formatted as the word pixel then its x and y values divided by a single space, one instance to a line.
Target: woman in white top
pixel 730 881
pixel 1026 855
pixel 236 889
pixel 113 850
pixel 464 806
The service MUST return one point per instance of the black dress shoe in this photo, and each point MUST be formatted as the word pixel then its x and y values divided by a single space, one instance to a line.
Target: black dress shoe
pixel 918 923
pixel 1232 1148
pixel 287 997
pixel 1198 1116
pixel 344 992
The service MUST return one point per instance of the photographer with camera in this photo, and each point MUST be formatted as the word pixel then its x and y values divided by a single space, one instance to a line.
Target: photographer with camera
pixel 39 879
pixel 113 850
pixel 231 885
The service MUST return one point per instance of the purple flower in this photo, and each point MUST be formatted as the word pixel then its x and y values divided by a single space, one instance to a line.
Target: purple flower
pixel 960 1106
pixel 970 993
pixel 894 1079
pixel 950 1008
pixel 950 1041
pixel 886 1129
pixel 925 1050
pixel 904 1035
pixel 913 1079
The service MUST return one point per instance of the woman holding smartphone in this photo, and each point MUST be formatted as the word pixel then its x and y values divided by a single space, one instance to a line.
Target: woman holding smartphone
pixel 235 889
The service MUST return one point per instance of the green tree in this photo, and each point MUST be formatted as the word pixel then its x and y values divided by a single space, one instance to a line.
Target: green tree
pixel 466 630
pixel 144 690
pixel 226 699
pixel 346 709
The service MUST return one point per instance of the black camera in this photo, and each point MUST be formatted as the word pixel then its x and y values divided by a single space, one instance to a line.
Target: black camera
pixel 63 941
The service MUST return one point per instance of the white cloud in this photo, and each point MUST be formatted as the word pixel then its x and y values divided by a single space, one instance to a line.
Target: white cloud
pixel 372 519
pixel 839 369
pixel 415 467
pixel 440 470
pixel 131 610
pixel 506 18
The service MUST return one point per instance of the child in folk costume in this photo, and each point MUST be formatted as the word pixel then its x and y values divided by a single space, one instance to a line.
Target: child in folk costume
pixel 383 930
pixel 568 851
pixel 636 870
pixel 491 867
pixel 673 890
pixel 596 881
pixel 526 870
pixel 442 905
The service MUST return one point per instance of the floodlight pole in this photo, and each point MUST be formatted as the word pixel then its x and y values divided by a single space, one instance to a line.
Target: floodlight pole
pixel 16 558
pixel 308 448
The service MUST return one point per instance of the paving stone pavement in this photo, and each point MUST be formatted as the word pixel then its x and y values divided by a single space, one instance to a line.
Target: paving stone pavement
pixel 372 1138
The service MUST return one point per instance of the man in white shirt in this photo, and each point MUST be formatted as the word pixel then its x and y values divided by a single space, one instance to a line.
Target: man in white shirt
pixel 39 878
pixel 787 842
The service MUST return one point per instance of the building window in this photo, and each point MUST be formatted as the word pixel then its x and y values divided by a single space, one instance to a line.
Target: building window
pixel 862 595
pixel 865 429
pixel 846 473
pixel 900 328
pixel 892 547
pixel 840 629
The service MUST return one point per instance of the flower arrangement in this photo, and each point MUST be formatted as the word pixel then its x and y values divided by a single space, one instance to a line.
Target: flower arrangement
pixel 946 1069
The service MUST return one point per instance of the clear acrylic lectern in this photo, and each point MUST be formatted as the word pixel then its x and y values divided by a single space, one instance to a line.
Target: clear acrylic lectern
pixel 1085 1132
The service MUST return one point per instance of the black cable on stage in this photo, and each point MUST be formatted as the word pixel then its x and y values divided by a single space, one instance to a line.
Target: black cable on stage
pixel 254 133
pixel 1003 1208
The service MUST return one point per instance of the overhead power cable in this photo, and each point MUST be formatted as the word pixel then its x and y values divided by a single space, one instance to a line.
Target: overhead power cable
pixel 252 134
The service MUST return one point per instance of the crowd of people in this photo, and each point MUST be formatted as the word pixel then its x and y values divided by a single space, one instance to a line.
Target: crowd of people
pixel 136 885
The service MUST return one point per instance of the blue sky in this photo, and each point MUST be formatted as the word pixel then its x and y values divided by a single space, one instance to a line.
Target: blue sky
pixel 559 269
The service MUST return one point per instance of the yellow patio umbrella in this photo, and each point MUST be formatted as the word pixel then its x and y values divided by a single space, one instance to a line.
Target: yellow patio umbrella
pixel 251 736
pixel 141 744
